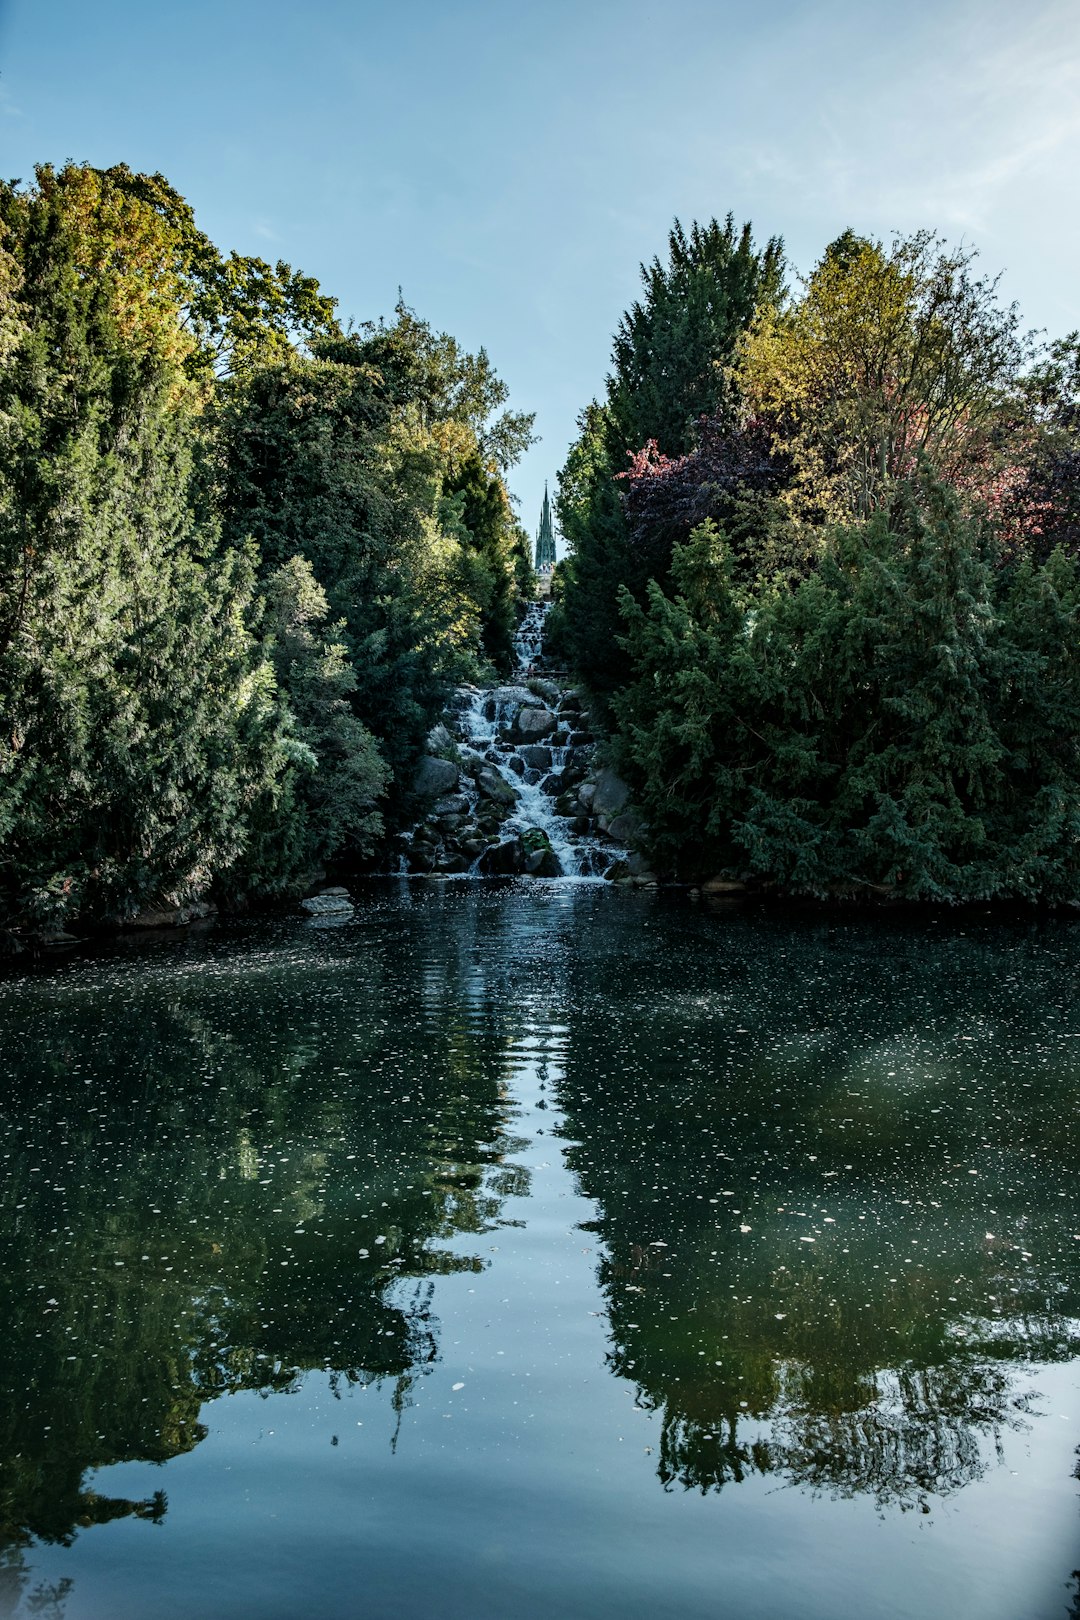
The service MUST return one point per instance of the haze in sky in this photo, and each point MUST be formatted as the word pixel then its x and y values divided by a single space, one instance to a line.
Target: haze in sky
pixel 508 167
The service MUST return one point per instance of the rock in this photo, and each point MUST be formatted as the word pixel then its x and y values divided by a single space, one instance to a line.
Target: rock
pixel 543 863
pixel 502 860
pixel 516 764
pixel 439 739
pixel 626 828
pixel 451 864
pixel 329 903
pixel 495 787
pixel 550 690
pixel 448 825
pixel 586 793
pixel 455 804
pixel 472 847
pixel 581 825
pixel 170 916
pixel 434 777
pixel 581 739
pixel 723 885
pixel 534 723
pixel 617 872
pixel 639 868
pixel 536 756
pixel 611 794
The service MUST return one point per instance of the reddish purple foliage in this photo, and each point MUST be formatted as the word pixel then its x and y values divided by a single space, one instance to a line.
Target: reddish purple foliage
pixel 667 497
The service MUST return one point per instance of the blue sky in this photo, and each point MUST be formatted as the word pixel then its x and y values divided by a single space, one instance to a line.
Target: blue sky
pixel 509 165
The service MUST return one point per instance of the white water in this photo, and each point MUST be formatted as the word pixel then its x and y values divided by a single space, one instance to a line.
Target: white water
pixel 485 716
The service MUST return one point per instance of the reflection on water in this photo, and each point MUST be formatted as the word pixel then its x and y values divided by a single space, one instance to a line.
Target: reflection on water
pixel 838 1200
pixel 831 1172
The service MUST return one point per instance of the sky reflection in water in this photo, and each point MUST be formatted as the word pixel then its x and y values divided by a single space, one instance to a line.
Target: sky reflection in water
pixel 560 1250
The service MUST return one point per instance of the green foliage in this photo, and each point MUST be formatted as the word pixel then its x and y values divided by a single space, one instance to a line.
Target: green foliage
pixel 888 355
pixel 671 361
pixel 904 719
pixel 366 460
pixel 242 555
pixel 497 548
pixel 136 710
pixel 324 803
pixel 672 347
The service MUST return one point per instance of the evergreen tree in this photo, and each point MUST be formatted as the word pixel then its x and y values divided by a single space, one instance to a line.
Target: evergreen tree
pixel 138 720
pixel 671 366
pixel 904 719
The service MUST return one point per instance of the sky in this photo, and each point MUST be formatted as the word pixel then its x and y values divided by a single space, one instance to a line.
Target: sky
pixel 508 166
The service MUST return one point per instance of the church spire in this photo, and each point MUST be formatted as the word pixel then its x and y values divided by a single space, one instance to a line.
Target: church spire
pixel 545 539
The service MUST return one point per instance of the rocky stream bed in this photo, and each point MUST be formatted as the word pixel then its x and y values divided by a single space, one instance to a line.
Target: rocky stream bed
pixel 512 784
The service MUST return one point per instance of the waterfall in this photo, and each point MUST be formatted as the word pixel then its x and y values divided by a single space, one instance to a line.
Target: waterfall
pixel 522 799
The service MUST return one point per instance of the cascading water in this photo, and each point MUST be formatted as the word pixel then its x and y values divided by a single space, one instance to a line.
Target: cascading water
pixel 521 801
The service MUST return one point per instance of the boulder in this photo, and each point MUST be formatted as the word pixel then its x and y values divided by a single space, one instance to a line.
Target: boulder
pixel 495 787
pixel 439 739
pixel 329 903
pixel 452 864
pixel 611 794
pixel 503 860
pixel 543 863
pixel 536 756
pixel 455 804
pixel 639 868
pixel 586 793
pixel 532 724
pixel 549 690
pixel 170 916
pixel 434 777
pixel 516 764
pixel 723 885
pixel 626 828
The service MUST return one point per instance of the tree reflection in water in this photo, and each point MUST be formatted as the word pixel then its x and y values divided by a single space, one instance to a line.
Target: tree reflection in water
pixel 827 1163
pixel 834 1165
pixel 248 1170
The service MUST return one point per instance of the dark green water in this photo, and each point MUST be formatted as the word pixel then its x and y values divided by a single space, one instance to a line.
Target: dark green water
pixel 549 1252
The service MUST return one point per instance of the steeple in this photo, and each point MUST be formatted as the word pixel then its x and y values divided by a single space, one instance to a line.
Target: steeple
pixel 545 539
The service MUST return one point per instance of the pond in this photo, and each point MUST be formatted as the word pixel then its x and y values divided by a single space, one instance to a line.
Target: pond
pixel 543 1250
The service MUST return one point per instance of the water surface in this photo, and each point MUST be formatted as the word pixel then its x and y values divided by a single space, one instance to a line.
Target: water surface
pixel 540 1251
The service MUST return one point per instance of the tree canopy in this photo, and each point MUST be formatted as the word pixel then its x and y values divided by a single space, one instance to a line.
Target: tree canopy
pixel 243 555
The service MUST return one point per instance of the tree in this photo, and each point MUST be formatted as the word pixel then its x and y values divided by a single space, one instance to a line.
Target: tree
pixel 323 806
pixel 136 711
pixel 671 367
pixel 904 718
pixel 367 460
pixel 888 356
